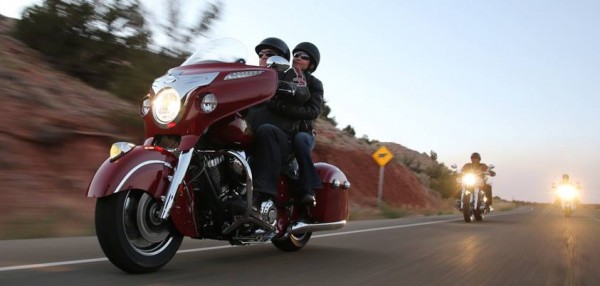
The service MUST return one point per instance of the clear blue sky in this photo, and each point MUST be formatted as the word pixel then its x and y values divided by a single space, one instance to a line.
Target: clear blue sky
pixel 517 81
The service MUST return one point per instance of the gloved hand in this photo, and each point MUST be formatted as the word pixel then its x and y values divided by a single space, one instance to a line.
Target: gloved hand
pixel 286 88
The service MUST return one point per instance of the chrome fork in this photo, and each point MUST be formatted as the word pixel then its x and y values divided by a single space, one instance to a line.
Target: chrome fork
pixel 182 165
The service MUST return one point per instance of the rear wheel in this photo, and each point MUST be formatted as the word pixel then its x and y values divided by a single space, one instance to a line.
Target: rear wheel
pixel 131 234
pixel 478 212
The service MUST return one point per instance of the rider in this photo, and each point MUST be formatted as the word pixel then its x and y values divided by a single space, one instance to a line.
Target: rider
pixel 479 168
pixel 271 147
pixel 271 47
pixel 565 179
pixel 307 58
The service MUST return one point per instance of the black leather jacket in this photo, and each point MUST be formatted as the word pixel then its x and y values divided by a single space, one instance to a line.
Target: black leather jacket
pixel 281 110
pixel 305 113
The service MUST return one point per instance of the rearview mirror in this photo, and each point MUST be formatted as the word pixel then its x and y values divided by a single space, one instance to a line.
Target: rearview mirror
pixel 278 63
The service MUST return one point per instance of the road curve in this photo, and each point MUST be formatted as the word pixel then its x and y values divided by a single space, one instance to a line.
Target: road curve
pixel 521 247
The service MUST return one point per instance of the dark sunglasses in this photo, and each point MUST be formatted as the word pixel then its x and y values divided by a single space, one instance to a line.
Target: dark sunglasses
pixel 302 56
pixel 267 54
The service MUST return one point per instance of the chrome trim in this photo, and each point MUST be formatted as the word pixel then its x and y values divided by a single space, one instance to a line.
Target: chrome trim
pixel 153 253
pixel 180 170
pixel 249 181
pixel 183 84
pixel 301 227
pixel 242 74
pixel 475 198
pixel 138 167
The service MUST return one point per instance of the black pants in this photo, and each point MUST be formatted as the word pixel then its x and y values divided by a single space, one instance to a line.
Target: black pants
pixel 270 148
pixel 303 144
pixel 488 193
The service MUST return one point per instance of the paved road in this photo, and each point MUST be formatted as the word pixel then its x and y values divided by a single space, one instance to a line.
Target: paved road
pixel 524 247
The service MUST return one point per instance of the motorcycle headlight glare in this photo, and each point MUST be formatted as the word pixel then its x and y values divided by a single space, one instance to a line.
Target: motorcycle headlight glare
pixel 208 103
pixel 566 192
pixel 469 179
pixel 166 106
pixel 119 149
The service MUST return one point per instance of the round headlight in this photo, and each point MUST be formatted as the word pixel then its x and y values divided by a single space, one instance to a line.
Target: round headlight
pixel 566 192
pixel 166 106
pixel 469 179
pixel 208 103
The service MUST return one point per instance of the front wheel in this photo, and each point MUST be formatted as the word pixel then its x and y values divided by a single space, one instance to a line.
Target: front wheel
pixel 468 209
pixel 292 242
pixel 131 234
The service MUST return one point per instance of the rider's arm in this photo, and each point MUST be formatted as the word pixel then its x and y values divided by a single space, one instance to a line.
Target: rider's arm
pixel 292 87
pixel 309 111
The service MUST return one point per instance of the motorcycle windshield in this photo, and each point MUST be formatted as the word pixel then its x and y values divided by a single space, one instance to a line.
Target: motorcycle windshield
pixel 224 50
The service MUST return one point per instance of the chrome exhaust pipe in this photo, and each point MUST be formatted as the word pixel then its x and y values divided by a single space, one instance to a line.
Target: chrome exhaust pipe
pixel 301 227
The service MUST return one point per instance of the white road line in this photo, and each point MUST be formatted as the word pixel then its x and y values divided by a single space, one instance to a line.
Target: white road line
pixel 41 265
pixel 407 225
pixel 384 228
pixel 596 219
pixel 82 261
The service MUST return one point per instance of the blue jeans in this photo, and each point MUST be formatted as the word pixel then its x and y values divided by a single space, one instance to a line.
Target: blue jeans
pixel 302 145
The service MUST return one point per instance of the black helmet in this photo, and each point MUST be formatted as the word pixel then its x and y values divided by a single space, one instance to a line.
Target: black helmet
pixel 276 44
pixel 476 155
pixel 312 51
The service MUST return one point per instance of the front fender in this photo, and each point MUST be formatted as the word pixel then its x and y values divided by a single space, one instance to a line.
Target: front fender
pixel 144 167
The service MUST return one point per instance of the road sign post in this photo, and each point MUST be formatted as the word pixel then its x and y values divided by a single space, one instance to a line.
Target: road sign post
pixel 382 156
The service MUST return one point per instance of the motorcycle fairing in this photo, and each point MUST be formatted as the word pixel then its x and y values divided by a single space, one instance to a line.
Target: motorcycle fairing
pixel 193 122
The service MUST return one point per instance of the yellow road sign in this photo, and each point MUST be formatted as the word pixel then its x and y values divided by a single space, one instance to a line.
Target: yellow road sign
pixel 382 156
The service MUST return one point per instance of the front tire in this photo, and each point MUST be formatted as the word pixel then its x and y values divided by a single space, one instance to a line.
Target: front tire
pixel 292 242
pixel 130 233
pixel 468 209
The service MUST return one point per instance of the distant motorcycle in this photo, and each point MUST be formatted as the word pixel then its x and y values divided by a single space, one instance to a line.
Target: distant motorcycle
pixel 566 195
pixel 473 201
pixel 191 177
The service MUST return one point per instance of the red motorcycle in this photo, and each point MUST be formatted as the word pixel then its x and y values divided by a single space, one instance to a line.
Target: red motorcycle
pixel 191 177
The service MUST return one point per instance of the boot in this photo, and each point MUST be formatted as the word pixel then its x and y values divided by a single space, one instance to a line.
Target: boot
pixel 308 198
pixel 257 200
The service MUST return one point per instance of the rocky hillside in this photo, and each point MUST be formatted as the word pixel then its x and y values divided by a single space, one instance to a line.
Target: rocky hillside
pixel 55 131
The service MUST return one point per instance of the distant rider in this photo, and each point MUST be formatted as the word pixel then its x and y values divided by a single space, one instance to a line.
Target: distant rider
pixel 479 168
